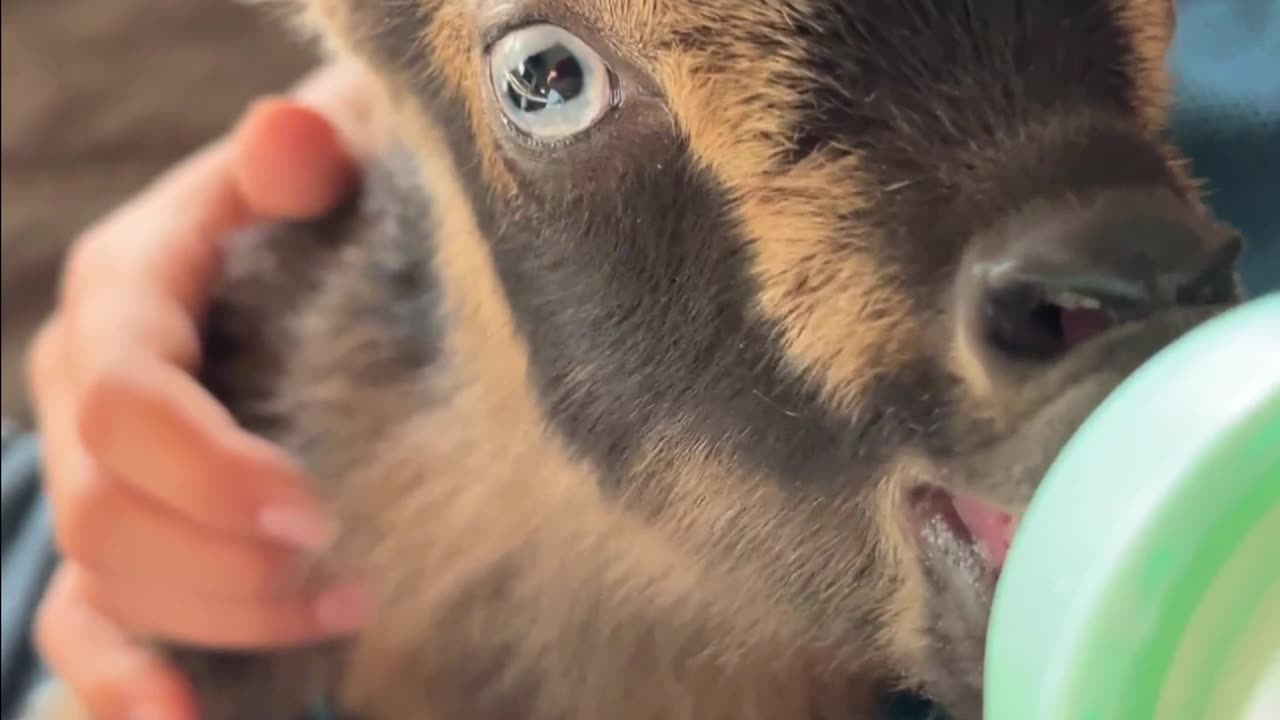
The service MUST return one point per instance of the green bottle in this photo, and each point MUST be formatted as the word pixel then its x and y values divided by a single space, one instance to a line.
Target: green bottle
pixel 1144 582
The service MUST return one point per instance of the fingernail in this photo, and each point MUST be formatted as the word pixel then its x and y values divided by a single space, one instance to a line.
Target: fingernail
pixel 343 609
pixel 295 526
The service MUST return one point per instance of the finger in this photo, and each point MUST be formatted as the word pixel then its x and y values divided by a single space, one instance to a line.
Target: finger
pixel 131 334
pixel 112 676
pixel 61 455
pixel 184 470
pixel 152 426
pixel 295 158
pixel 47 379
pixel 107 527
pixel 156 609
pixel 137 282
pixel 92 521
pixel 171 232
pixel 168 237
pixel 41 360
pixel 176 444
pixel 290 161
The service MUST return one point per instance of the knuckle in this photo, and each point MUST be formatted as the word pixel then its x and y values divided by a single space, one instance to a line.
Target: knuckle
pixel 107 385
pixel 42 357
pixel 93 592
pixel 49 618
pixel 57 639
pixel 81 266
pixel 103 695
pixel 281 625
pixel 82 518
pixel 267 576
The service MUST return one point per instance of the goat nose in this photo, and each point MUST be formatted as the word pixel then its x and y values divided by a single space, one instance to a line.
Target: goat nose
pixel 1056 276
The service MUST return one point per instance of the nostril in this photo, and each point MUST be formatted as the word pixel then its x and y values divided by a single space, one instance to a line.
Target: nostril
pixel 1055 275
pixel 1018 322
pixel 1033 321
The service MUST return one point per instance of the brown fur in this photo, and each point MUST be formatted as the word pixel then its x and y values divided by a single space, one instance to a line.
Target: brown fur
pixel 554 529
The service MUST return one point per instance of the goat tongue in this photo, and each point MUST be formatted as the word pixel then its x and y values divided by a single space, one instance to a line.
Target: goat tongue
pixel 990 527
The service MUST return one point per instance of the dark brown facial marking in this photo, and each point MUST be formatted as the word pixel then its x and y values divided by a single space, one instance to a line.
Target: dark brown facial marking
pixel 736 340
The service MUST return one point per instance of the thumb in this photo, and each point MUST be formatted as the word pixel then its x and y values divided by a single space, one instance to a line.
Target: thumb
pixel 296 158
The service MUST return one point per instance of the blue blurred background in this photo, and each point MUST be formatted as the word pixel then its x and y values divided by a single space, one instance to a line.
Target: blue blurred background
pixel 1226 60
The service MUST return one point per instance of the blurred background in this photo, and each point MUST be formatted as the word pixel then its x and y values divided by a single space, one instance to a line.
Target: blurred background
pixel 100 95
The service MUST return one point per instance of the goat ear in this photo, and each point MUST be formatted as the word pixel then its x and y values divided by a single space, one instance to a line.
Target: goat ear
pixel 1152 23
pixel 1167 13
pixel 1170 22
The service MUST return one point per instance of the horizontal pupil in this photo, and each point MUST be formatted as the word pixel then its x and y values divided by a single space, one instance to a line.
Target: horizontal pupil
pixel 551 77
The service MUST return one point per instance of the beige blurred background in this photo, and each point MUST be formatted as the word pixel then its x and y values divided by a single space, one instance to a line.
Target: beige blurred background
pixel 98 96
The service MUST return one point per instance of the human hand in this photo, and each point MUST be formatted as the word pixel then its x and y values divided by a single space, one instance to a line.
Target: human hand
pixel 171 519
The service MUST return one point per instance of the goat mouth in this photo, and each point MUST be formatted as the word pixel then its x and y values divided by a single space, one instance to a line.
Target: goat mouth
pixel 945 517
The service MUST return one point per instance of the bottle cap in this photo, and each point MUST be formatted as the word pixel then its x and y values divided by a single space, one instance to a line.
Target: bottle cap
pixel 1144 581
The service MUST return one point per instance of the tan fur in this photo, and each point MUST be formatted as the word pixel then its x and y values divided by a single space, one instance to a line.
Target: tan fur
pixel 842 322
pixel 565 529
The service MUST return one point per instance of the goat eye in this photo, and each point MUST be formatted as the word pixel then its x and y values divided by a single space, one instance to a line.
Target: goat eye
pixel 549 83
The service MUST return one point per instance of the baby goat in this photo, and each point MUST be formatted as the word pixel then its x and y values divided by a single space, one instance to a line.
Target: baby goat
pixel 693 359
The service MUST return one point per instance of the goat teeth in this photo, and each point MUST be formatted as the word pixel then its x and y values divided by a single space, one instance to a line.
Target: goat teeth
pixel 1068 300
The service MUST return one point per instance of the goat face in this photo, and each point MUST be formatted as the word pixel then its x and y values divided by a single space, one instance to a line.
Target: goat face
pixel 818 286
